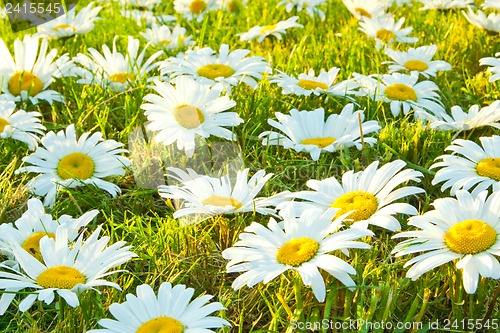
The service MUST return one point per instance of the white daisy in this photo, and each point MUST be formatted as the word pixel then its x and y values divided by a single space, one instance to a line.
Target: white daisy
pixel 171 311
pixel 445 4
pixel 417 60
pixel 67 270
pixel 365 8
pixel 465 230
pixel 194 9
pixel 490 22
pixel 477 167
pixel 70 23
pixel 302 245
pixel 310 6
pixel 31 71
pixel 234 6
pixel 494 64
pixel 386 31
pixel 146 17
pixel 369 193
pixel 180 113
pixel 64 161
pixel 493 4
pixel 207 196
pixel 307 84
pixel 166 37
pixel 463 121
pixel 224 70
pixel 20 125
pixel 115 70
pixel 307 131
pixel 276 30
pixel 139 4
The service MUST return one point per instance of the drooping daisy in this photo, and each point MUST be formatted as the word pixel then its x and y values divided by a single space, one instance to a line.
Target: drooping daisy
pixel 490 22
pixel 477 167
pixel 302 245
pixel 166 37
pixel 180 113
pixel 170 311
pixel 493 4
pixel 307 84
pixel 369 193
pixel 115 70
pixel 194 9
pixel 465 230
pixel 494 68
pixel 224 70
pixel 365 8
pixel 416 60
pixel 70 23
pixel 310 6
pixel 28 74
pixel 20 125
pixel 463 121
pixel 277 30
pixel 65 269
pixel 445 4
pixel 307 131
pixel 385 30
pixel 65 161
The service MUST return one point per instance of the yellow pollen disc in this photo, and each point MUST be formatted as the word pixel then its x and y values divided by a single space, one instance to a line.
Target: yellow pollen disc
pixel 214 71
pixel 267 28
pixel 297 251
pixel 165 42
pixel 161 325
pixel 197 6
pixel 400 92
pixel 122 78
pixel 63 27
pixel 489 167
pixel 362 203
pixel 3 123
pixel 385 35
pixel 217 200
pixel 362 12
pixel 25 81
pixel 470 237
pixel 188 116
pixel 61 277
pixel 320 142
pixel 416 65
pixel 32 243
pixel 76 165
pixel 311 85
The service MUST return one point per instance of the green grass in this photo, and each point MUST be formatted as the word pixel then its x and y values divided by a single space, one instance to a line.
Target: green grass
pixel 191 255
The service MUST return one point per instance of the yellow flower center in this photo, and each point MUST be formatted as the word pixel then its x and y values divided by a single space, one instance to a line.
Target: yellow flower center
pixel 416 65
pixel 76 165
pixel 311 85
pixel 320 142
pixel 3 123
pixel 234 6
pixel 60 277
pixel 217 200
pixel 197 6
pixel 25 81
pixel 267 28
pixel 489 167
pixel 188 116
pixel 32 244
pixel 385 35
pixel 122 77
pixel 161 325
pixel 363 204
pixel 400 92
pixel 362 12
pixel 63 27
pixel 470 237
pixel 297 251
pixel 165 42
pixel 214 71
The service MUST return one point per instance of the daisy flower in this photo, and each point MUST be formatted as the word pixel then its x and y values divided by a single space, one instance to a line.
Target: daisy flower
pixel 307 131
pixel 310 6
pixel 20 125
pixel 307 84
pixel 234 6
pixel 114 70
pixel 65 161
pixel 386 31
pixel 493 4
pixel 465 230
pixel 276 30
pixel 475 117
pixel 369 193
pixel 365 8
pixel 170 311
pixel 170 39
pixel 140 4
pixel 65 269
pixel 180 113
pixel 70 23
pixel 208 196
pixel 302 245
pixel 478 167
pixel 224 70
pixel 146 17
pixel 445 4
pixel 490 22
pixel 417 60
pixel 494 64
pixel 31 71
pixel 194 9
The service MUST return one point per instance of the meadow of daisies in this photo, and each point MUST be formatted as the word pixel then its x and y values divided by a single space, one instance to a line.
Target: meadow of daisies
pixel 251 166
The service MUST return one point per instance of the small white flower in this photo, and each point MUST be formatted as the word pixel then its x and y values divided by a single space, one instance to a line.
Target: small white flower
pixel 490 22
pixel 166 37
pixel 276 30
pixel 463 121
pixel 365 8
pixel 417 60
pixel 20 125
pixel 493 4
pixel 310 6
pixel 146 17
pixel 445 4
pixel 386 31
pixel 194 9
pixel 494 68
pixel 139 4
